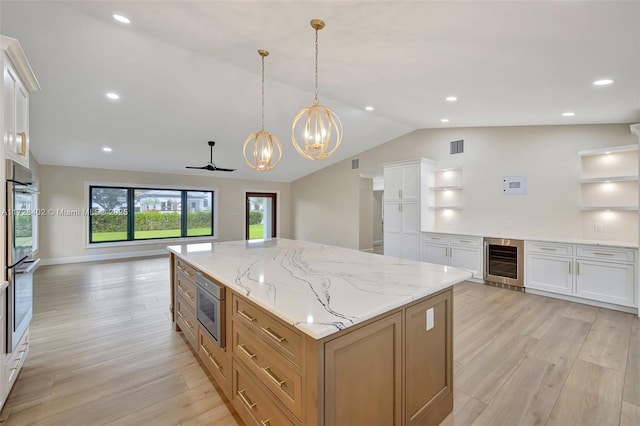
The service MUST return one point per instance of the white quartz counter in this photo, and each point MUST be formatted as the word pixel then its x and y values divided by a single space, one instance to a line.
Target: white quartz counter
pixel 546 239
pixel 317 288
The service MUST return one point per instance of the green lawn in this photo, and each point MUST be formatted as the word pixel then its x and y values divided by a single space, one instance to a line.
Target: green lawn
pixel 165 233
pixel 256 232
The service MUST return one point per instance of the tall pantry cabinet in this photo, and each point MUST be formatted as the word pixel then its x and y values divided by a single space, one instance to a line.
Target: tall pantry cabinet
pixel 406 206
pixel 18 81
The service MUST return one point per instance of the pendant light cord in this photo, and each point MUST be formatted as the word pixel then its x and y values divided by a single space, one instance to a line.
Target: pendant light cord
pixel 316 98
pixel 262 92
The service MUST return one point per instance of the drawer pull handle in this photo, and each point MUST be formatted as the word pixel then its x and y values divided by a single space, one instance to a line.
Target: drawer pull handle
pixel 434 238
pixel 269 373
pixel 602 254
pixel 183 270
pixel 547 249
pixel 246 401
pixel 271 334
pixel 186 292
pixel 465 241
pixel 246 352
pixel 186 321
pixel 246 316
pixel 265 422
pixel 189 324
pixel 211 357
pixel 207 353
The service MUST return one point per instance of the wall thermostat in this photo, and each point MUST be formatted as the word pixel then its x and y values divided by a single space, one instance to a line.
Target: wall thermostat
pixel 514 185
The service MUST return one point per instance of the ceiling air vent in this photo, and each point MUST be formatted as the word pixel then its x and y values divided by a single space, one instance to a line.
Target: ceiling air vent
pixel 355 164
pixel 456 147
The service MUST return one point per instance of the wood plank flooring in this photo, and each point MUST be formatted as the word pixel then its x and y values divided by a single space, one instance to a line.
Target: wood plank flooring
pixel 103 352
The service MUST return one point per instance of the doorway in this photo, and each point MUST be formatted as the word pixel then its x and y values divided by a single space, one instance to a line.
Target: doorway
pixel 260 215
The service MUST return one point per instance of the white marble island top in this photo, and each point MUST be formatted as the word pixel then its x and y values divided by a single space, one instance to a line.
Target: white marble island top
pixel 318 289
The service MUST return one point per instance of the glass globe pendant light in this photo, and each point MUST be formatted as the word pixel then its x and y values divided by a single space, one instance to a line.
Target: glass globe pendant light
pixel 316 132
pixel 262 147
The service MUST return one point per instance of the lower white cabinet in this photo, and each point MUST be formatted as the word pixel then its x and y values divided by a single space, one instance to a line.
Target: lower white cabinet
pixel 599 273
pixel 459 251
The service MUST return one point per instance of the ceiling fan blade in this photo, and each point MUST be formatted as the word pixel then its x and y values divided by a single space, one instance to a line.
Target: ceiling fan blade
pixel 219 169
pixel 193 167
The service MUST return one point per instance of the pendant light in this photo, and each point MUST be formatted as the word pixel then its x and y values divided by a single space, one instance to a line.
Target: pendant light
pixel 264 148
pixel 316 132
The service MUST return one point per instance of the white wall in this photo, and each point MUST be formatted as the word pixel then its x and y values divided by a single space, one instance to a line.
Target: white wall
pixel 547 155
pixel 63 238
pixel 325 206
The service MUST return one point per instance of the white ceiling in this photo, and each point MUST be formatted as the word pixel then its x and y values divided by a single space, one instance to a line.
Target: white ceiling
pixel 188 72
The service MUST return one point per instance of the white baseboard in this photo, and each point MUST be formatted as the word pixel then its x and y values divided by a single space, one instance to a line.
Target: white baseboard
pixel 368 250
pixel 99 257
pixel 569 298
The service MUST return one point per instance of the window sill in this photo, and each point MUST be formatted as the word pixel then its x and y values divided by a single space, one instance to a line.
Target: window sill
pixel 159 242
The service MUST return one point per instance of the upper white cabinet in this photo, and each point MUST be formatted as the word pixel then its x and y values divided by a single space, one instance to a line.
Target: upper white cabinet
pixel 18 81
pixel 406 206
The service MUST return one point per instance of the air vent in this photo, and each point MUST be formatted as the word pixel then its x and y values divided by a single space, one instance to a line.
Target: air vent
pixel 456 147
pixel 355 164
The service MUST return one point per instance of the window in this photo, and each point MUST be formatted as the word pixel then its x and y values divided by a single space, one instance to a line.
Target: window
pixel 131 214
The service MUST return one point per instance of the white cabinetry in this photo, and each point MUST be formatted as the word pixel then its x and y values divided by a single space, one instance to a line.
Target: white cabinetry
pixel 591 273
pixel 460 251
pixel 18 81
pixel 406 206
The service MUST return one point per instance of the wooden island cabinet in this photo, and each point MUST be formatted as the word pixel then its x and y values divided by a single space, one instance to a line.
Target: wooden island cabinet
pixel 391 368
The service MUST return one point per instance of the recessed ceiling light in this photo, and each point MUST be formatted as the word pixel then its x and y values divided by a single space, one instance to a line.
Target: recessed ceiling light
pixel 608 152
pixel 113 96
pixel 603 82
pixel 369 108
pixel 444 120
pixel 451 98
pixel 568 114
pixel 106 149
pixel 121 18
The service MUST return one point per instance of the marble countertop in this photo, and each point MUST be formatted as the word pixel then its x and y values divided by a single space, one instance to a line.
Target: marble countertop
pixel 319 289
pixel 546 239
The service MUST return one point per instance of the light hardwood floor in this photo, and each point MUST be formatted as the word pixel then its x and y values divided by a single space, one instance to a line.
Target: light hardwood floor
pixel 104 353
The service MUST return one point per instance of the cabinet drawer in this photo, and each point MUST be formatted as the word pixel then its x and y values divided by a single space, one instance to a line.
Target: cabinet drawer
pixel 253 402
pixel 186 320
pixel 550 248
pixel 185 268
pixel 275 372
pixel 186 288
pixel 464 240
pixel 435 238
pixel 284 338
pixel 15 360
pixel 215 358
pixel 606 253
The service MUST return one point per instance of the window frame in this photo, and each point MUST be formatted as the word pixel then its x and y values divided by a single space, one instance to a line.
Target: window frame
pixel 131 188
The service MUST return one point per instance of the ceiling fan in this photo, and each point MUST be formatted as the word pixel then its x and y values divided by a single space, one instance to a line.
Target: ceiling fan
pixel 211 165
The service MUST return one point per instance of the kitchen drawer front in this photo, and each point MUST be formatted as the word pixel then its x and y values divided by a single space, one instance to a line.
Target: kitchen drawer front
pixel 553 249
pixel 185 268
pixel 284 338
pixel 466 240
pixel 186 288
pixel 186 320
pixel 435 238
pixel 275 372
pixel 15 360
pixel 215 358
pixel 606 253
pixel 253 402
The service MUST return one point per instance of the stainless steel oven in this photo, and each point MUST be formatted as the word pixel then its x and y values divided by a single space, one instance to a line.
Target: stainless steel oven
pixel 210 307
pixel 504 261
pixel 21 237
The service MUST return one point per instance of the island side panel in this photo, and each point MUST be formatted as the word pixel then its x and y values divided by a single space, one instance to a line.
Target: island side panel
pixel 428 330
pixel 172 278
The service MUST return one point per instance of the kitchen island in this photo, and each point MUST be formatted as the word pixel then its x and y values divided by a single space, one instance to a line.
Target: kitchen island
pixel 322 335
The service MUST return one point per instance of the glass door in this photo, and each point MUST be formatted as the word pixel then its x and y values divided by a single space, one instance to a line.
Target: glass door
pixel 260 215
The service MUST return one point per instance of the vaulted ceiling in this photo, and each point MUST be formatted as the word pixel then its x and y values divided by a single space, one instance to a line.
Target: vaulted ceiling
pixel 188 72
